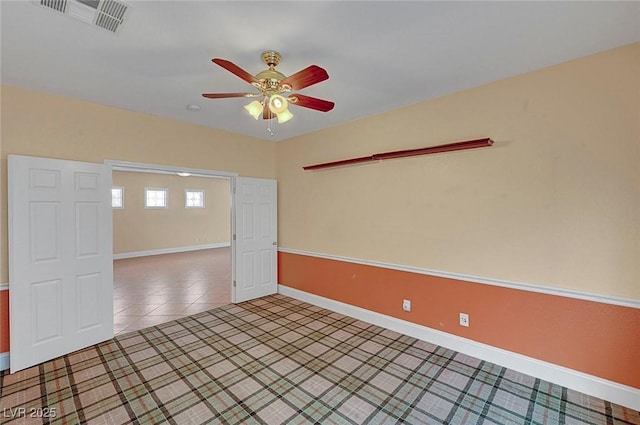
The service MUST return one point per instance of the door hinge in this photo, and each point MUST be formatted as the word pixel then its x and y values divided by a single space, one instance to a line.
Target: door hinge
pixel 234 283
pixel 234 237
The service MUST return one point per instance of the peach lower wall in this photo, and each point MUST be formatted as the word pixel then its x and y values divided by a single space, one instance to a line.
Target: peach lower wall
pixel 595 338
pixel 4 314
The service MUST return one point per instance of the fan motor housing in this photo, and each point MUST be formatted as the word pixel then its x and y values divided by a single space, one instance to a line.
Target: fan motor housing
pixel 270 81
pixel 270 74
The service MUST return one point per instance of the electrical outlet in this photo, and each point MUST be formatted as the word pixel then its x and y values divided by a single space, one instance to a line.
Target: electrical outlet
pixel 464 319
pixel 406 305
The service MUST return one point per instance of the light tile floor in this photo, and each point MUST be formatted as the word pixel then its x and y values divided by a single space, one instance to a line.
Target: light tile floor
pixel 159 288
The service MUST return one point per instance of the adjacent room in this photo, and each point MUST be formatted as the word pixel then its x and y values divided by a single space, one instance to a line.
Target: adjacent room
pixel 171 246
pixel 396 212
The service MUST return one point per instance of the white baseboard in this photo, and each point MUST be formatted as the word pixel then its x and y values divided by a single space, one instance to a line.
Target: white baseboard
pixel 134 254
pixel 4 361
pixel 579 381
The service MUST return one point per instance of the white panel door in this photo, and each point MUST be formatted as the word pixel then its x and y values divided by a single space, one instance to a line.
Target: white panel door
pixel 256 238
pixel 60 258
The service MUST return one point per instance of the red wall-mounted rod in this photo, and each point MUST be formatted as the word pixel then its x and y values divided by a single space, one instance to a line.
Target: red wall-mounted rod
pixel 449 147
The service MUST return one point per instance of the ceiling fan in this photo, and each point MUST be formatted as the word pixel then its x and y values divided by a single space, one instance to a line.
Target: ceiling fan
pixel 274 88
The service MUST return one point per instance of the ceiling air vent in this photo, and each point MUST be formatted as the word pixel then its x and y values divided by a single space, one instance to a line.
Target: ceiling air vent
pixel 106 14
pixel 111 14
pixel 59 5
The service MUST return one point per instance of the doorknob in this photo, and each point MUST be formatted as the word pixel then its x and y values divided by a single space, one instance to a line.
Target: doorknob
pixel 275 243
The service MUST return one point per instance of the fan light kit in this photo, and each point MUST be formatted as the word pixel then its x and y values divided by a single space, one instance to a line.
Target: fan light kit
pixel 272 84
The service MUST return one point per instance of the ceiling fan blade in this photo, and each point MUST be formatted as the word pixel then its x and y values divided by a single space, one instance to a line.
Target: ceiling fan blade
pixel 235 69
pixel 312 74
pixel 311 102
pixel 226 95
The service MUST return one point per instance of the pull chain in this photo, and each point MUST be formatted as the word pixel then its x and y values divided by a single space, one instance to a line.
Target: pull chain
pixel 270 120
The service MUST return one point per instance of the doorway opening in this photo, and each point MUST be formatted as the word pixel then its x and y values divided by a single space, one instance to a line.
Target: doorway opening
pixel 172 241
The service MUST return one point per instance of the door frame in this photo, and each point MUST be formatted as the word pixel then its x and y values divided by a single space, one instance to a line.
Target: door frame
pixel 117 165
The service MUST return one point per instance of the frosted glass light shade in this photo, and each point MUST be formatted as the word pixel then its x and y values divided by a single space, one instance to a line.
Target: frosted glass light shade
pixel 284 116
pixel 255 108
pixel 278 104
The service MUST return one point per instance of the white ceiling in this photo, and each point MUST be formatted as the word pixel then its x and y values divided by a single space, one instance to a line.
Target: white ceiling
pixel 379 55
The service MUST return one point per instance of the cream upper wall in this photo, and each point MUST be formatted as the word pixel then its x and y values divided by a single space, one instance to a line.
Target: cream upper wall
pixel 39 124
pixel 556 200
pixel 136 228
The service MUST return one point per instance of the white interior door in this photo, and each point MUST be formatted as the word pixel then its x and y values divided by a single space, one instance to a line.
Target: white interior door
pixel 256 243
pixel 60 257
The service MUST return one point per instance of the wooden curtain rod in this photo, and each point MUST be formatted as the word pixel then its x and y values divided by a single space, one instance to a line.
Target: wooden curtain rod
pixel 449 147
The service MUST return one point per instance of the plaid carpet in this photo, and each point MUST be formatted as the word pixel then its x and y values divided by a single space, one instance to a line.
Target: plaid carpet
pixel 276 360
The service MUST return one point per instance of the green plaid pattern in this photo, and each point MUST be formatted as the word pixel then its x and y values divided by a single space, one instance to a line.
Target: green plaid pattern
pixel 277 360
